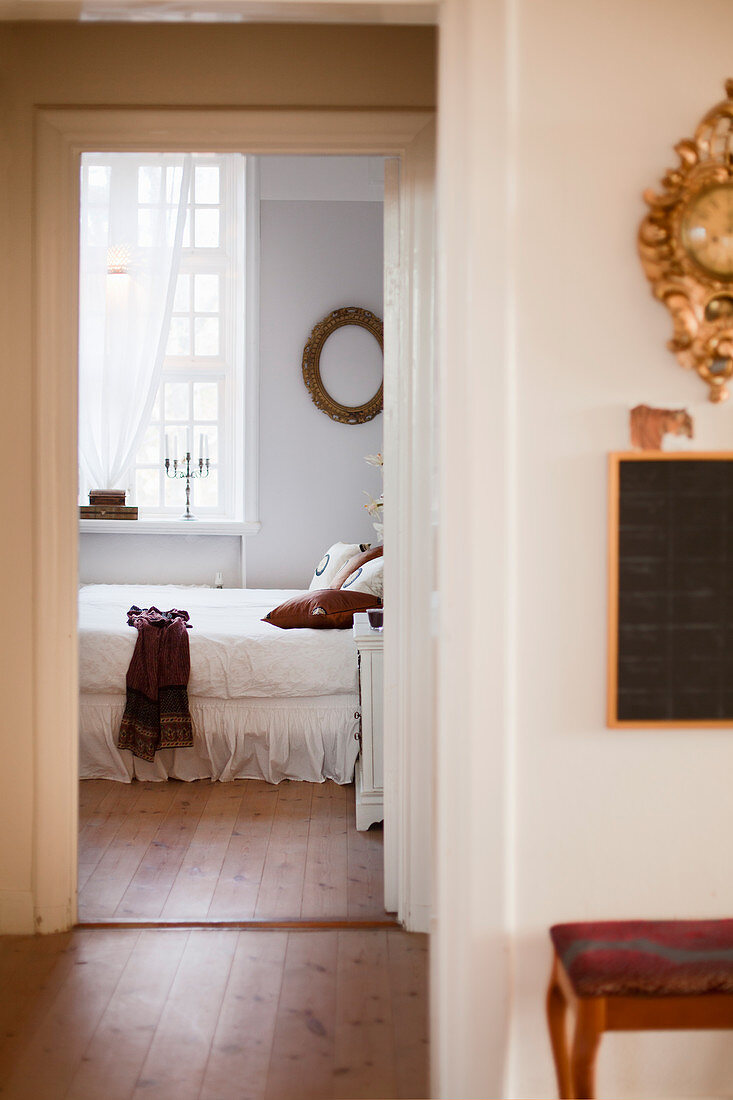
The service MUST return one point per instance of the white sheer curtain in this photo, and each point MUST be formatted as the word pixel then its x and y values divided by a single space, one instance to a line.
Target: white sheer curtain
pixel 133 213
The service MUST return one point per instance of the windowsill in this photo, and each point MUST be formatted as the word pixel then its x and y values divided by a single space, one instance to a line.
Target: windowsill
pixel 162 526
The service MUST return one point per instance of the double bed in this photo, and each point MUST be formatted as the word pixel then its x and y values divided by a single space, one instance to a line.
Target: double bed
pixel 266 703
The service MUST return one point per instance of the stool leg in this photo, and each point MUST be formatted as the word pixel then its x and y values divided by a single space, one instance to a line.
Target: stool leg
pixel 556 1014
pixel 588 1028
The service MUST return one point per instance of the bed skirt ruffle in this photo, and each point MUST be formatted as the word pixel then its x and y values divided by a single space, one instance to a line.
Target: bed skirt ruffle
pixel 310 739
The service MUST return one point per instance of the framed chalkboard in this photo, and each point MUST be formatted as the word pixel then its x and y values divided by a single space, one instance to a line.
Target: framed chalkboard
pixel 670 652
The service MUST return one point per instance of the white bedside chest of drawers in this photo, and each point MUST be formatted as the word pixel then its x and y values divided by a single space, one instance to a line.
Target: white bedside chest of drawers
pixel 370 764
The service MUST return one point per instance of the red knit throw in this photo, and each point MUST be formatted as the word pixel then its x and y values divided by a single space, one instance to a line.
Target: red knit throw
pixel 156 712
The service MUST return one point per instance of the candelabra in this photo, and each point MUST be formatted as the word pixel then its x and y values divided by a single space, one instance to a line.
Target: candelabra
pixel 189 473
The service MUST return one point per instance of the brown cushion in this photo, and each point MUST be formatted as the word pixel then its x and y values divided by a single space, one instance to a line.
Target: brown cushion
pixel 326 609
pixel 355 563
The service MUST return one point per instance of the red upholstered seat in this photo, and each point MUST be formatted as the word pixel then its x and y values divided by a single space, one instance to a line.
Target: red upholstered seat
pixel 640 957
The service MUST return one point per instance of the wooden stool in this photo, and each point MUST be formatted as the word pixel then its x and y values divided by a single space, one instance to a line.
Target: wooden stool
pixel 634 976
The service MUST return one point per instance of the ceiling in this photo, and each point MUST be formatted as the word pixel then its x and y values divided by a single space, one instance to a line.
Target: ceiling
pixel 224 11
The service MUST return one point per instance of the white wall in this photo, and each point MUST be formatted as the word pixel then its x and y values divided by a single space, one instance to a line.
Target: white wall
pixel 321 248
pixel 322 179
pixel 610 824
pixel 159 559
pixel 315 257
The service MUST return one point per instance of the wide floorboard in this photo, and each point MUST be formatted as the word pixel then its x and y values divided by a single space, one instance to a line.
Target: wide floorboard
pixel 242 851
pixel 213 1014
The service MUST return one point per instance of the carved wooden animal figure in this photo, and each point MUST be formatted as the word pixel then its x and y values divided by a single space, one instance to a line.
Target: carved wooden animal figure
pixel 649 426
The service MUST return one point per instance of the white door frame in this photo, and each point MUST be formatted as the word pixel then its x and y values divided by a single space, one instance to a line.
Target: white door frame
pixel 411 401
pixel 476 764
pixel 62 134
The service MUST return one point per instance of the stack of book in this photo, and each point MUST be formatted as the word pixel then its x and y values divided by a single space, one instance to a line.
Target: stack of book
pixel 107 504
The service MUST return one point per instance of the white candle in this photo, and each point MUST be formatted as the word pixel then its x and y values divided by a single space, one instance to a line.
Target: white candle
pixel 206 447
pixel 167 446
pixel 201 447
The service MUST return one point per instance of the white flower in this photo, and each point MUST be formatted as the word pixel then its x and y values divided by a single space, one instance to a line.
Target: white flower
pixel 375 506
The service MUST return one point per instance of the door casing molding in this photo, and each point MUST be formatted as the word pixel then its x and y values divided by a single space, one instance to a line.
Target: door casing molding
pixel 411 408
pixel 61 135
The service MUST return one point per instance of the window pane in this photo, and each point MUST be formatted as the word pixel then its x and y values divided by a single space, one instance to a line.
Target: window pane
pixel 155 411
pixel 171 220
pixel 148 183
pixel 146 228
pixel 98 183
pixel 173 177
pixel 205 492
pixel 187 231
pixel 182 299
pixel 176 402
pixel 206 294
pixel 176 436
pixel 146 488
pixel 206 338
pixel 150 448
pixel 207 184
pixel 96 225
pixel 205 400
pixel 179 337
pixel 206 229
pixel 175 493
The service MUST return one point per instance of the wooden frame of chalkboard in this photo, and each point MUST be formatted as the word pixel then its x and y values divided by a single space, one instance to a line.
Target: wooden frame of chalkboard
pixel 670 593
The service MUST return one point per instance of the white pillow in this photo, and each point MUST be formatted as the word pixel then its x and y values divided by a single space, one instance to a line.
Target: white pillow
pixel 329 565
pixel 369 578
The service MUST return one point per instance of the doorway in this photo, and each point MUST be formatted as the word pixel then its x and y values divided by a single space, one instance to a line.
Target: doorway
pixel 266 244
pixel 63 135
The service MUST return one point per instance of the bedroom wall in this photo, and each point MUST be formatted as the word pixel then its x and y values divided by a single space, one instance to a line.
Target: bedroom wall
pixel 261 65
pixel 624 823
pixel 159 559
pixel 315 257
pixel 321 248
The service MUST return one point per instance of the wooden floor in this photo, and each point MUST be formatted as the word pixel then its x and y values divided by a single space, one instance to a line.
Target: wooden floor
pixel 239 851
pixel 214 1014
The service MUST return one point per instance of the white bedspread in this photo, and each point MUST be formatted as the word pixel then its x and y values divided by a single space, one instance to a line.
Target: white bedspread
pixel 233 654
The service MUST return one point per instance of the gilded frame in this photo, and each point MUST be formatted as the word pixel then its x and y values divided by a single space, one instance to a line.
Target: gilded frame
pixel 698 299
pixel 345 414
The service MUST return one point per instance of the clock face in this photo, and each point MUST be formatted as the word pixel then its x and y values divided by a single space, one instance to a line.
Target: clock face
pixel 706 230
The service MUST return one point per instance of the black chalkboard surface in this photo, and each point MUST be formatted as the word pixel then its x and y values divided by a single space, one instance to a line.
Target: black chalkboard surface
pixel 671 589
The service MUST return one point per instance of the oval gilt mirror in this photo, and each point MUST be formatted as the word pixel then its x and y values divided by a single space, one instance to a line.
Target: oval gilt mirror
pixel 322 399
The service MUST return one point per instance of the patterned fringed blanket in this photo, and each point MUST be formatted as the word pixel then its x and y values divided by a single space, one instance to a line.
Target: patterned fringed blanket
pixel 156 713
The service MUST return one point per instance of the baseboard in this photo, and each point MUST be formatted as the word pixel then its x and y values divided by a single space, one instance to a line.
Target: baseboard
pixel 241 925
pixel 53 918
pixel 16 913
pixel 418 919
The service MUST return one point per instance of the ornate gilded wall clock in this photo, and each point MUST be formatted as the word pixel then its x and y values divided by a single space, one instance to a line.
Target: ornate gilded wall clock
pixel 686 248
